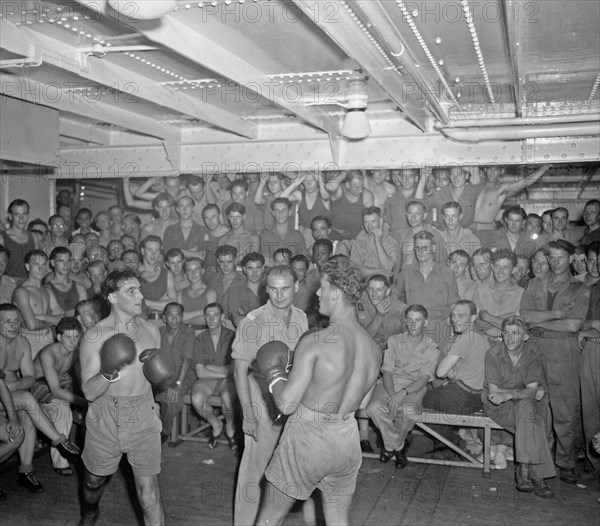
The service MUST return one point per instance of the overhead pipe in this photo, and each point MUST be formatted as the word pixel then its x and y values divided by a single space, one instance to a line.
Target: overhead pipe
pixel 524 121
pixel 517 133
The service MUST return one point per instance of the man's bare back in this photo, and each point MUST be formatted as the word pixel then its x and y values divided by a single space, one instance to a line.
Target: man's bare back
pixel 346 365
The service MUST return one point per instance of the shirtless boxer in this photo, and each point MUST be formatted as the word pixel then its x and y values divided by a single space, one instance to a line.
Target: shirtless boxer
pixel 122 417
pixel 333 375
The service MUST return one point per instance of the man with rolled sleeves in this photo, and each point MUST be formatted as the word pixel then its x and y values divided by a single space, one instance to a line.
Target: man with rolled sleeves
pixel 262 425
pixel 555 310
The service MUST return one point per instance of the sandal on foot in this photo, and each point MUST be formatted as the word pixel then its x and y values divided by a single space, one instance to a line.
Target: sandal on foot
pixel 233 445
pixel 64 472
pixel 213 440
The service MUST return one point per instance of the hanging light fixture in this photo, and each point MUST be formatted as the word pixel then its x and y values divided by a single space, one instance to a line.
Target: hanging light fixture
pixel 143 9
pixel 356 123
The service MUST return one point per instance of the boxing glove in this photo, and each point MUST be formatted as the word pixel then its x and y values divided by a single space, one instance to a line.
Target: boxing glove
pixel 273 360
pixel 159 367
pixel 117 351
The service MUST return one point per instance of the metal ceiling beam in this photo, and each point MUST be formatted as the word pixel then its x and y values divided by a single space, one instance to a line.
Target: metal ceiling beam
pixel 360 45
pixel 101 71
pixel 388 33
pixel 511 30
pixel 179 37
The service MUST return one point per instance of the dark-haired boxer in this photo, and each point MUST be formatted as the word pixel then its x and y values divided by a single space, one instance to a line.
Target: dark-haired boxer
pixel 121 416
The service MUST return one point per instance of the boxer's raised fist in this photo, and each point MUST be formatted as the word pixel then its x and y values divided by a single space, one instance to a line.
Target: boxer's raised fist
pixel 117 351
pixel 159 367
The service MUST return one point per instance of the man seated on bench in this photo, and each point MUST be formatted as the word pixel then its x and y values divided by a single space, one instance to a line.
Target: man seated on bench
pixel 462 367
pixel 215 376
pixel 179 341
pixel 513 371
pixel 408 365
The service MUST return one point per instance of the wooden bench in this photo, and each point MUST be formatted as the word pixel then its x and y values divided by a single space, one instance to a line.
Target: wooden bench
pixel 480 420
pixel 181 432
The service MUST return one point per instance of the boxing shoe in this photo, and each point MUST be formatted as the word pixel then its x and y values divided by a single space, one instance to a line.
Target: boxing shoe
pixel 385 455
pixel 522 478
pixel 400 454
pixel 30 482
pixel 67 449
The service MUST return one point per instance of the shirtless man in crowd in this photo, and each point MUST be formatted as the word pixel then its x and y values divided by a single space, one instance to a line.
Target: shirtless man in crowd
pixel 332 377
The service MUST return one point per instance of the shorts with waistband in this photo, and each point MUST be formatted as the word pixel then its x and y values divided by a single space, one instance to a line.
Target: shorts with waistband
pixel 316 450
pixel 117 425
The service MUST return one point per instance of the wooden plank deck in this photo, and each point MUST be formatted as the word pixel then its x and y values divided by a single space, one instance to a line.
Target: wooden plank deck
pixel 199 493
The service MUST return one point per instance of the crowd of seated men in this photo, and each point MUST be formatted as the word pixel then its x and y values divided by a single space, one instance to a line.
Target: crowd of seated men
pixel 477 306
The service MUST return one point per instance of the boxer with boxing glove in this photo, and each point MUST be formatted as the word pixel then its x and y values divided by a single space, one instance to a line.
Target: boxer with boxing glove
pixel 282 324
pixel 274 362
pixel 114 383
pixel 334 374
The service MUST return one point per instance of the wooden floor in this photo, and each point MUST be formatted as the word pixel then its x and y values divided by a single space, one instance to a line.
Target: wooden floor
pixel 198 489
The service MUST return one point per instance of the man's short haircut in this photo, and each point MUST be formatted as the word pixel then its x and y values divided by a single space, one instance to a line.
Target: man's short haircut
pixel 281 271
pixel 183 197
pixel 173 253
pixel 371 210
pixel 451 204
pixel 514 320
pixel 55 217
pixel 561 244
pixel 172 304
pixel 285 251
pixel 559 209
pixel 57 251
pixel 68 323
pixel 114 281
pixel 234 207
pixel 129 253
pixel 515 210
pixel 537 217
pixel 189 261
pixel 83 211
pixel 460 253
pixel 468 303
pixel 238 182
pixel 9 307
pixel 214 305
pixel 36 222
pixel 94 303
pixel 595 202
pixel 33 253
pixel 351 175
pixel 416 308
pixel 281 201
pixel 226 250
pixel 379 277
pixel 504 253
pixel 327 243
pixel 416 202
pixel 133 217
pixel 302 258
pixel 17 202
pixel 424 234
pixel 161 198
pixel 210 207
pixel 195 180
pixel 594 248
pixel 252 257
pixel 325 219
pixel 150 239
pixel 340 272
pixel 523 257
pixel 484 252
